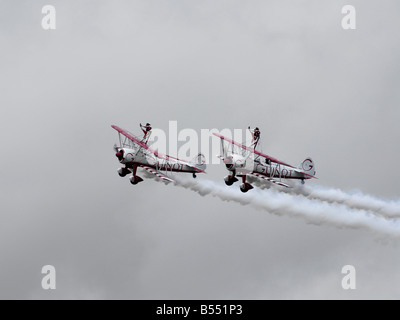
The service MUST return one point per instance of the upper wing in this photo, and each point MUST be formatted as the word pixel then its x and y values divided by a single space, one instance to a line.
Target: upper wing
pixel 252 150
pixel 140 143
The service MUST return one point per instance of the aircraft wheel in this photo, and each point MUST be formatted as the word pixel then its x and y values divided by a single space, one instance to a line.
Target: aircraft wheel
pixel 229 182
pixel 122 172
pixel 244 187
pixel 135 180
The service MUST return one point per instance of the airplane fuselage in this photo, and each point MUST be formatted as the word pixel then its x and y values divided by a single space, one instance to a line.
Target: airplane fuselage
pixel 278 171
pixel 241 166
pixel 136 159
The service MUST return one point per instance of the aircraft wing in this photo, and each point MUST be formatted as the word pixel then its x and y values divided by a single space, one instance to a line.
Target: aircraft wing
pixel 158 174
pixel 140 143
pixel 270 180
pixel 252 150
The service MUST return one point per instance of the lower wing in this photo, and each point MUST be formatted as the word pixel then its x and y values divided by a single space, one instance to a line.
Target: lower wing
pixel 157 174
pixel 270 180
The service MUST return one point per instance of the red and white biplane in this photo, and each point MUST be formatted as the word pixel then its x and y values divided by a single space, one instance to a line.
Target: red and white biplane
pixel 242 161
pixel 135 153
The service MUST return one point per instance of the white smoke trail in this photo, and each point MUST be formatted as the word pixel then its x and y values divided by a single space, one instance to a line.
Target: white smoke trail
pixel 313 211
pixel 355 200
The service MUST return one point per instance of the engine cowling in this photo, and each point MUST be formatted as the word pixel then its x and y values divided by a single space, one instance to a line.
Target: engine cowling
pixel 125 155
pixel 234 162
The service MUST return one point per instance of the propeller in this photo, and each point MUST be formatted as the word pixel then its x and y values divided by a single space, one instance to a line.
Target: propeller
pixel 119 152
pixel 228 160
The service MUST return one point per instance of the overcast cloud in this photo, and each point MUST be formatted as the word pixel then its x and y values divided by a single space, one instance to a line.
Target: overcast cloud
pixel 288 67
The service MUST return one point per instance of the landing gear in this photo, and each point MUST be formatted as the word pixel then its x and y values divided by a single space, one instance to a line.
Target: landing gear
pixel 123 172
pixel 194 176
pixel 230 180
pixel 302 181
pixel 245 186
pixel 135 180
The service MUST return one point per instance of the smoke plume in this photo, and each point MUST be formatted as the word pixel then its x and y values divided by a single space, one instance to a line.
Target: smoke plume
pixel 316 205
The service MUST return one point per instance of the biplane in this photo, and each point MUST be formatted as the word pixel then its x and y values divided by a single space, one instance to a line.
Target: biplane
pixel 242 161
pixel 135 153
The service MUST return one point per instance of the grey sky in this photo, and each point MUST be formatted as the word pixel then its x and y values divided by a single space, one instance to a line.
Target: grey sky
pixel 285 66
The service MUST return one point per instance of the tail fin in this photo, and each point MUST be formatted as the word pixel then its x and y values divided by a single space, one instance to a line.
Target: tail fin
pixel 308 166
pixel 199 162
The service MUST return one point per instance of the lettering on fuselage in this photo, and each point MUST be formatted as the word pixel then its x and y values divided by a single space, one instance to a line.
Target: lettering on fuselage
pixel 273 171
pixel 171 167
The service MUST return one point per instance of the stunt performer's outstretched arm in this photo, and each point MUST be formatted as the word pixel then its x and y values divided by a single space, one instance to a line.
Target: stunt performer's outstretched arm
pixel 146 129
pixel 256 136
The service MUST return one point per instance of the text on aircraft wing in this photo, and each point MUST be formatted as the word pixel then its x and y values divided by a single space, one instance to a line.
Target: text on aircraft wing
pixel 252 150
